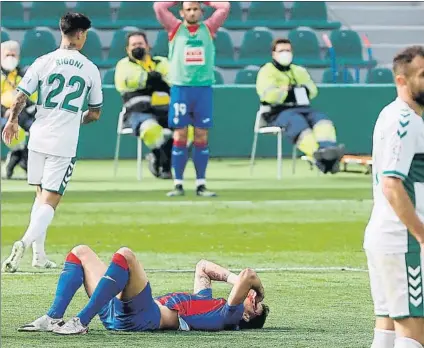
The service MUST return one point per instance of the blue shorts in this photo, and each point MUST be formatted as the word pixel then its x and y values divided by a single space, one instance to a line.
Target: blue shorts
pixel 138 314
pixel 296 120
pixel 191 106
pixel 136 119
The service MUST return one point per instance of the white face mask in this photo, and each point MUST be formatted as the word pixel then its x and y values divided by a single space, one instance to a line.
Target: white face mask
pixel 284 58
pixel 9 63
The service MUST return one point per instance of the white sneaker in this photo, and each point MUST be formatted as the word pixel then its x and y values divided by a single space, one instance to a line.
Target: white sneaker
pixel 42 324
pixel 43 263
pixel 12 262
pixel 72 327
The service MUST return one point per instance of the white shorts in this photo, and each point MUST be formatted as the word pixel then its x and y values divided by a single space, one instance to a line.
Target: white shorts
pixel 396 284
pixel 52 173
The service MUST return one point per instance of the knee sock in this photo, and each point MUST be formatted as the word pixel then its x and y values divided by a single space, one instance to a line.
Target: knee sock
pixel 40 221
pixel 200 160
pixel 325 133
pixel 111 284
pixel 404 342
pixel 383 339
pixel 179 161
pixel 307 143
pixel 70 281
pixel 38 245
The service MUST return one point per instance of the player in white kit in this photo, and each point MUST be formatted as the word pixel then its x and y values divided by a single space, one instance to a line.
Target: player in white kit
pixel 394 237
pixel 64 79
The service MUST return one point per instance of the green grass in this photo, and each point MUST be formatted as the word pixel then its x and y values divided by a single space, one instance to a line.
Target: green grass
pixel 303 230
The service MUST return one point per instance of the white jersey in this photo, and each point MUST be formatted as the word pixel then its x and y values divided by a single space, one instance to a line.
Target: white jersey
pixel 398 151
pixel 64 79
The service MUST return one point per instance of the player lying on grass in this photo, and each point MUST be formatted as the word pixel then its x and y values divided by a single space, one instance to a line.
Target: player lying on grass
pixel 122 297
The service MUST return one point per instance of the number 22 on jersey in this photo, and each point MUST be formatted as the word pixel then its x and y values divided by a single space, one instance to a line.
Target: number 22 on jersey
pixel 57 96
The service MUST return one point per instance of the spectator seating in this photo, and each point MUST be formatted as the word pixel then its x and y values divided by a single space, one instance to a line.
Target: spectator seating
pixel 380 75
pixel 36 43
pixel 342 76
pixel 247 76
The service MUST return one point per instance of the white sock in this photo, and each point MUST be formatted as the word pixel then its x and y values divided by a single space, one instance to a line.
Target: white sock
pixel 405 342
pixel 40 220
pixel 35 206
pixel 38 252
pixel 178 182
pixel 200 182
pixel 383 339
pixel 38 246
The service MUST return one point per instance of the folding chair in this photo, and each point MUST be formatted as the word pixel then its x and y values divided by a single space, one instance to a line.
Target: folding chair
pixel 261 128
pixel 123 130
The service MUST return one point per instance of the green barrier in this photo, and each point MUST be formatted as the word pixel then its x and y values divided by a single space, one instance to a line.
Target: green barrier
pixel 353 109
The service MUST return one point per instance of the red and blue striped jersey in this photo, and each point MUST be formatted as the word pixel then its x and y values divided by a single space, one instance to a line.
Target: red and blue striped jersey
pixel 203 312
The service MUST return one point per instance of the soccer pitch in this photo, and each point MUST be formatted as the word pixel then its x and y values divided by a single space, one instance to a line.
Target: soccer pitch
pixel 304 234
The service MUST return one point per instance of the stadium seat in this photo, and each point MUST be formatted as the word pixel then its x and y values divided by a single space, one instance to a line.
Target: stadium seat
pixel 117 47
pixel 256 47
pixel 342 76
pixel 109 77
pixel 99 13
pixel 12 15
pixel 235 19
pixel 224 50
pixel 93 48
pixel 36 43
pixel 161 46
pixel 348 47
pixel 306 49
pixel 4 35
pixel 46 13
pixel 380 75
pixel 269 14
pixel 311 14
pixel 137 13
pixel 219 79
pixel 247 76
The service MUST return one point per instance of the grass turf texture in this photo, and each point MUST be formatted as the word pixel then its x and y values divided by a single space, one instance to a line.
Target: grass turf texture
pixel 304 221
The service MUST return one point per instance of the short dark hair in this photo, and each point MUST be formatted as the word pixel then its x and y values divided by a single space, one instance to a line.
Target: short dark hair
pixel 182 4
pixel 402 60
pixel 72 22
pixel 136 33
pixel 275 42
pixel 257 322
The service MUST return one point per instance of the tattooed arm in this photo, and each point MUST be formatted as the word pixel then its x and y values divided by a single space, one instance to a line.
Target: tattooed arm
pixel 207 271
pixel 17 106
pixel 11 128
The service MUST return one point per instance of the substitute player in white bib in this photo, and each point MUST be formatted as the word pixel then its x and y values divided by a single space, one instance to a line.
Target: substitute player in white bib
pixel 64 79
pixel 394 237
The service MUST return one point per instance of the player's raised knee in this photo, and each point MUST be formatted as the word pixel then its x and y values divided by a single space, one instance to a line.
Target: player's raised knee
pixel 128 254
pixel 82 251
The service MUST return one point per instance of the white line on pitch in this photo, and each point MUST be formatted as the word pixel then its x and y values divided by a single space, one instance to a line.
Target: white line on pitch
pixel 265 270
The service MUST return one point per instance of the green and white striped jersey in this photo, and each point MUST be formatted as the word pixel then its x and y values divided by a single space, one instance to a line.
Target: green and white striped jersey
pixel 64 79
pixel 398 151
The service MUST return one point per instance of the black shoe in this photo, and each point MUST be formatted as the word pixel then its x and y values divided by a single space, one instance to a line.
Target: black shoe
pixel 203 192
pixel 176 192
pixel 328 159
pixel 153 165
pixel 166 175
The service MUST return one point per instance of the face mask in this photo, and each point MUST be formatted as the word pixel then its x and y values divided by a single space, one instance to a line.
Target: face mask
pixel 419 98
pixel 284 58
pixel 9 63
pixel 138 53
